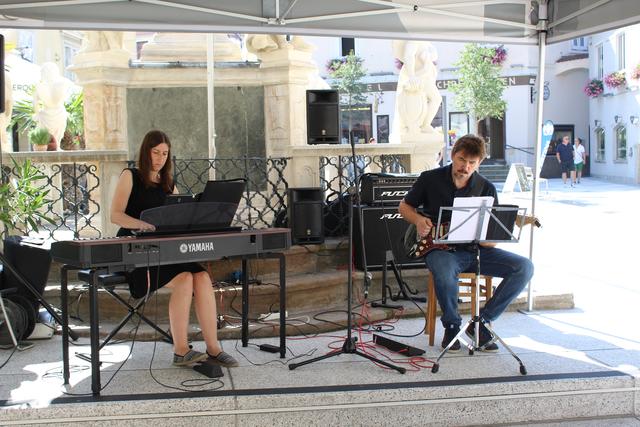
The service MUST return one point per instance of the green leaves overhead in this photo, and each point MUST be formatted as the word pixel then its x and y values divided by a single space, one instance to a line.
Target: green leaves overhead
pixel 480 88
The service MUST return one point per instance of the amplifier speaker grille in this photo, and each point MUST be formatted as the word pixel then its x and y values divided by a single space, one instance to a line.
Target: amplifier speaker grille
pixel 384 230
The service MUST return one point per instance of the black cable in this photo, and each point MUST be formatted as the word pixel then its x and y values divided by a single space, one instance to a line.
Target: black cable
pixel 9 358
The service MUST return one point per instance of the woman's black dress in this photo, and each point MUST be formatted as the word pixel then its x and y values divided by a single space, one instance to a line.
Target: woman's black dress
pixel 142 198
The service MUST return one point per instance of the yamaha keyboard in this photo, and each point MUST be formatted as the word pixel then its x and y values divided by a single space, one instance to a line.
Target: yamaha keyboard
pixel 125 253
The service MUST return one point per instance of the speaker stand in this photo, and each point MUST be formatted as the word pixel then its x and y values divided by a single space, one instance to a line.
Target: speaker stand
pixel 389 260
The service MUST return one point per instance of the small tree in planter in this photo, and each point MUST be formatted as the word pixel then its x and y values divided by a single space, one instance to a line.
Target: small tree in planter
pixel 74 133
pixel 39 138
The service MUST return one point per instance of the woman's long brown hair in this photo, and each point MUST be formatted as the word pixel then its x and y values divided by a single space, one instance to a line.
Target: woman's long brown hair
pixel 153 138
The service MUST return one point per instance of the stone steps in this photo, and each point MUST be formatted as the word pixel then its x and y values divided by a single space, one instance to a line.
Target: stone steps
pixel 496 173
pixel 586 396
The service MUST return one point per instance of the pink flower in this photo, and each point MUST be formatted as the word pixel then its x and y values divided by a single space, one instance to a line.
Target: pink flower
pixel 499 55
pixel 594 88
pixel 615 79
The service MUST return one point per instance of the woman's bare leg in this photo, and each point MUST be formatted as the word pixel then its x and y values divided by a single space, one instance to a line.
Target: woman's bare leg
pixel 205 302
pixel 179 310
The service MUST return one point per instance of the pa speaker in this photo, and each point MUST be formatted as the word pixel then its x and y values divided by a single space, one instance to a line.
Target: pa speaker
pixel 323 117
pixel 305 213
pixel 384 230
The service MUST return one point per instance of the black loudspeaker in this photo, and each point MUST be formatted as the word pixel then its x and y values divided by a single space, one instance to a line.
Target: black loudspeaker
pixel 384 230
pixel 323 117
pixel 305 213
pixel 32 260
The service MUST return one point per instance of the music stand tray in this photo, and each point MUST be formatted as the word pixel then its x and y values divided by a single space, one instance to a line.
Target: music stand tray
pixel 474 223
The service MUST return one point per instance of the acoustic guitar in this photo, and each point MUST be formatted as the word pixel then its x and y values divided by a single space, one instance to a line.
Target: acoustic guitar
pixel 417 247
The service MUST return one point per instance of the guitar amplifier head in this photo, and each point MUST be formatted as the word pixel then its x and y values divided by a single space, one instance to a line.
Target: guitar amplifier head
pixel 385 189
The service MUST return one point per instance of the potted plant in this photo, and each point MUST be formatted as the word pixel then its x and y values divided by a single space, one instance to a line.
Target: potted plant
pixel 74 133
pixel 22 200
pixel 39 138
pixel 615 80
pixel 594 88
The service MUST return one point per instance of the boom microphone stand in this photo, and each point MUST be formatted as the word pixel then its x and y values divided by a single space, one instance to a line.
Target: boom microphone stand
pixel 349 346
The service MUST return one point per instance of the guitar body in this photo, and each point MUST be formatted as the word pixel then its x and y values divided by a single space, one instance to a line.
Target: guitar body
pixel 416 247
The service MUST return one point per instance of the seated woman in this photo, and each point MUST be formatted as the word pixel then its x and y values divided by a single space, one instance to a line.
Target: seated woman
pixel 146 187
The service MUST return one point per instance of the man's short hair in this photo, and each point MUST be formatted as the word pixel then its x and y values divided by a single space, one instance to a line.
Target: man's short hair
pixel 472 145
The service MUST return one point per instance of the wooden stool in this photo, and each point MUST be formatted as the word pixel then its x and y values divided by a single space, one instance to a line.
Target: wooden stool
pixel 464 279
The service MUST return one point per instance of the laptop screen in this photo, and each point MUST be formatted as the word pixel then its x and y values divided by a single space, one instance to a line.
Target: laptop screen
pixel 214 211
pixel 223 191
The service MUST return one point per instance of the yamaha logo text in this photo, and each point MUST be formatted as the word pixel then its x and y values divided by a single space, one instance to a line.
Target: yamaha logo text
pixel 391 216
pixel 196 247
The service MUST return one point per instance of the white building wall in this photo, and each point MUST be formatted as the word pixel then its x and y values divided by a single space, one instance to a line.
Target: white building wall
pixel 616 102
pixel 566 104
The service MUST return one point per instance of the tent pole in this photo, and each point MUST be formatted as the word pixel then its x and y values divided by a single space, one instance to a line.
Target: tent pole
pixel 542 46
pixel 211 117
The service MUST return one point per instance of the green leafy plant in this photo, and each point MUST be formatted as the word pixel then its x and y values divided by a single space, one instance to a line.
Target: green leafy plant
pixel 23 200
pixel 347 74
pixel 23 112
pixel 74 133
pixel 39 136
pixel 479 89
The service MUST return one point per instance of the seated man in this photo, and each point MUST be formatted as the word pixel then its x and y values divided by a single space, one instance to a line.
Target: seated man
pixel 437 188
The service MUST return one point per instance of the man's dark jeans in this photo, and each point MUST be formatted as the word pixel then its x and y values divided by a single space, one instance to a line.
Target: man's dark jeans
pixel 515 270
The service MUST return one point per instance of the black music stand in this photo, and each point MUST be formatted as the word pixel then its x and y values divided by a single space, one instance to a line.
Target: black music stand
pixel 349 346
pixel 488 225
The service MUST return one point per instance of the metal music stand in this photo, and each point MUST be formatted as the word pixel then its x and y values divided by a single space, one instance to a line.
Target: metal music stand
pixel 484 224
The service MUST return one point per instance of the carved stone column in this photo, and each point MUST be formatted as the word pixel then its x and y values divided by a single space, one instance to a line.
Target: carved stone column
pixel 102 67
pixel 287 70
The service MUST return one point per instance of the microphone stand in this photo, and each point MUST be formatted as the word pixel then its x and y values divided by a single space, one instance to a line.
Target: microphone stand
pixel 349 346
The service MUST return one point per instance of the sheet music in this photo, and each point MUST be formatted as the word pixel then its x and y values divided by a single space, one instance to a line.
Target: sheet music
pixel 464 221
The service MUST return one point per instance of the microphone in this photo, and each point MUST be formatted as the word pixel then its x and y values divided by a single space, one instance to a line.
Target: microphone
pixel 367 280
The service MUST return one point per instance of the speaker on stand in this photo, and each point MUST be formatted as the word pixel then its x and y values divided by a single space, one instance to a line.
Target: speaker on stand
pixel 323 117
pixel 305 212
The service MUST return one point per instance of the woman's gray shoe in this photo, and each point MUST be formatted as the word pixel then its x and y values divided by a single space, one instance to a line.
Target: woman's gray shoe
pixel 189 358
pixel 223 359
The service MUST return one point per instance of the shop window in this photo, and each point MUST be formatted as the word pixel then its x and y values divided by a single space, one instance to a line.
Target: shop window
pixel 600 145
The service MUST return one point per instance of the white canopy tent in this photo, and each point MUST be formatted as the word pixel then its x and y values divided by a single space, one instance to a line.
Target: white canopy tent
pixel 498 21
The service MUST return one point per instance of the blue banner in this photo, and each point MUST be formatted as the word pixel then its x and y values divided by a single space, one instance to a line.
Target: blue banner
pixel 547 133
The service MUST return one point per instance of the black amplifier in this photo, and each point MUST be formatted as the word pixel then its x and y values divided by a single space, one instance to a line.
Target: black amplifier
pixel 385 188
pixel 384 230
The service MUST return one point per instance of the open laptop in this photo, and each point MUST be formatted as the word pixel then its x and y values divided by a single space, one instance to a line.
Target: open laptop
pixel 211 211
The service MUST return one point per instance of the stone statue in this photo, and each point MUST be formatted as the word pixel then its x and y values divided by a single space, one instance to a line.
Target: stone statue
pixel 48 100
pixel 5 117
pixel 417 96
pixel 100 41
pixel 259 43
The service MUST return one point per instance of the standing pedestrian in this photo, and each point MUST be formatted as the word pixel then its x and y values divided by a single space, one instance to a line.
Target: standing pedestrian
pixel 579 158
pixel 564 154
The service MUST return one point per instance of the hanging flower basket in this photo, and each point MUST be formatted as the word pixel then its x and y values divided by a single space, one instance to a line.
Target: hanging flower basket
pixel 594 88
pixel 615 80
pixel 499 55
